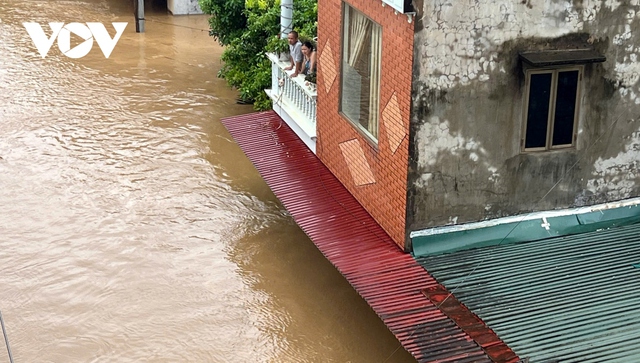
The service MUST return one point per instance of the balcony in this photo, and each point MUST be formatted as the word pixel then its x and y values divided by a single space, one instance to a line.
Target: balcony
pixel 294 100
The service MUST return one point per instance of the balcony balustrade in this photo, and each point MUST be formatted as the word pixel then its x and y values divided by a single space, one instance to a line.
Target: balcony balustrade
pixel 294 99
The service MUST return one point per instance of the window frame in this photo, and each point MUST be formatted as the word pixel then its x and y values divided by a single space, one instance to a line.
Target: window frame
pixel 373 140
pixel 554 70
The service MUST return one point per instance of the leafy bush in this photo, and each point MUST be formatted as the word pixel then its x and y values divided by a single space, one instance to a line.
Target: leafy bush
pixel 305 19
pixel 277 45
pixel 311 77
pixel 228 20
pixel 248 31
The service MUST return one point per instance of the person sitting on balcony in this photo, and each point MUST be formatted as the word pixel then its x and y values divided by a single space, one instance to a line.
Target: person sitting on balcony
pixel 295 53
pixel 309 58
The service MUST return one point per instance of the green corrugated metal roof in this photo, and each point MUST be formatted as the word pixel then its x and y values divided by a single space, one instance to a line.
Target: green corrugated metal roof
pixel 564 299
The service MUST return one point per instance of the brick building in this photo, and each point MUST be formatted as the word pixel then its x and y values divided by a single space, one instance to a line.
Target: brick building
pixel 465 113
pixel 371 163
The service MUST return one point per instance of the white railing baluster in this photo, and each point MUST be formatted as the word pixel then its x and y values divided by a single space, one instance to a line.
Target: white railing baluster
pixel 305 105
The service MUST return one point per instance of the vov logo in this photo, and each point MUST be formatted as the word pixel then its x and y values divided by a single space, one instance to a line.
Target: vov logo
pixel 62 32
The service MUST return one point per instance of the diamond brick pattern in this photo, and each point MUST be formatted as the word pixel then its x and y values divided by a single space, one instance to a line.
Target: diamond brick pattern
pixel 357 162
pixel 392 119
pixel 328 66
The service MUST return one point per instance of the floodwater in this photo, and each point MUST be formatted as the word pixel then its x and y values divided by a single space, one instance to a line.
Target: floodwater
pixel 132 228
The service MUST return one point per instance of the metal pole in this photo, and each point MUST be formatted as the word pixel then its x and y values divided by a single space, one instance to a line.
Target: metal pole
pixel 139 13
pixel 6 339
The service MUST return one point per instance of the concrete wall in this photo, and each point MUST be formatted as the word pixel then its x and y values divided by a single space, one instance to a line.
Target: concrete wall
pixel 375 175
pixel 467 109
pixel 184 7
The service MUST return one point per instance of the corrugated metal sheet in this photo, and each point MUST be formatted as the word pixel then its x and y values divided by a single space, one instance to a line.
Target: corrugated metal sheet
pixel 566 299
pixel 390 280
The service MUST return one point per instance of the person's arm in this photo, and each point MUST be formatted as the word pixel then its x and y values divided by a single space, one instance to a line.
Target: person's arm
pixel 298 69
pixel 312 62
pixel 291 66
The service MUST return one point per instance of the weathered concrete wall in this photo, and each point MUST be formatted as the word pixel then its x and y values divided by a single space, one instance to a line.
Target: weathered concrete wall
pixel 467 109
pixel 184 7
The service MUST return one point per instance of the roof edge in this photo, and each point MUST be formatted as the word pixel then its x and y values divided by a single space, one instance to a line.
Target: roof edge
pixel 527 227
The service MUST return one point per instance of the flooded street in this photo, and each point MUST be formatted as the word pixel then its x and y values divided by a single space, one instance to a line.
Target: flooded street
pixel 132 228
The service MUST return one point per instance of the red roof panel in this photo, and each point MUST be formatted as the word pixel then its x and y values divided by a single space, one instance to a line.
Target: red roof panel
pixel 391 281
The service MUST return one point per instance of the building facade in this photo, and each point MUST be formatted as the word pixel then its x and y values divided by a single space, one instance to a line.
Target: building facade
pixel 365 57
pixel 485 109
pixel 523 106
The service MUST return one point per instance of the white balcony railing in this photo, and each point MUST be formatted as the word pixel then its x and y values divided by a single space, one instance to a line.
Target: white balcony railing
pixel 294 100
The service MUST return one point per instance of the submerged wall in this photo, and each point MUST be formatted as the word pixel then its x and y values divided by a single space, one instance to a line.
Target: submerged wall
pixel 184 7
pixel 466 161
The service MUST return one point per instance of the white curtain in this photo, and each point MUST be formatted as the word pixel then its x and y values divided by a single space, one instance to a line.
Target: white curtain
pixel 374 85
pixel 358 28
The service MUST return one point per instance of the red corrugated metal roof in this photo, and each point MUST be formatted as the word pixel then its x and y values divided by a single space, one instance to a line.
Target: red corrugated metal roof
pixel 391 281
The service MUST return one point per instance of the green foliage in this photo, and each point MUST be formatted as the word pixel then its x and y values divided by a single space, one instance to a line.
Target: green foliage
pixel 258 4
pixel 305 19
pixel 277 45
pixel 311 77
pixel 249 30
pixel 228 20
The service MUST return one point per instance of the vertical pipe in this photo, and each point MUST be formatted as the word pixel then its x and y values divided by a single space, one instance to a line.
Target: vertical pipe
pixel 139 13
pixel 286 18
pixel 6 339
pixel 286 24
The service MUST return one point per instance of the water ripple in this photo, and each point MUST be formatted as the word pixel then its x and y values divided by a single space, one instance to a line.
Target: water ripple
pixel 133 229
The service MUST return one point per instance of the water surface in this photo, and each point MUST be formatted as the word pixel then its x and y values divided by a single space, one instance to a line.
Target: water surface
pixel 132 228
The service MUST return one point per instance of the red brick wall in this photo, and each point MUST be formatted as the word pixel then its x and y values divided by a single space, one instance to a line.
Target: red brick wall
pixel 385 199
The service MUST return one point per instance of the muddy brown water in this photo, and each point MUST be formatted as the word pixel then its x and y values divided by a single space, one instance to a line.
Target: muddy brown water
pixel 132 228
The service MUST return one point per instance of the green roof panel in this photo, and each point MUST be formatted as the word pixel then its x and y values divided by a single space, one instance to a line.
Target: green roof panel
pixel 566 299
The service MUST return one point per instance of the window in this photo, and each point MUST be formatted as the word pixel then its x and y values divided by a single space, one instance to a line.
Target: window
pixel 360 81
pixel 551 108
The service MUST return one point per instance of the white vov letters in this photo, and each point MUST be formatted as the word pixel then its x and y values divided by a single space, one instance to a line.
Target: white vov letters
pixel 63 32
